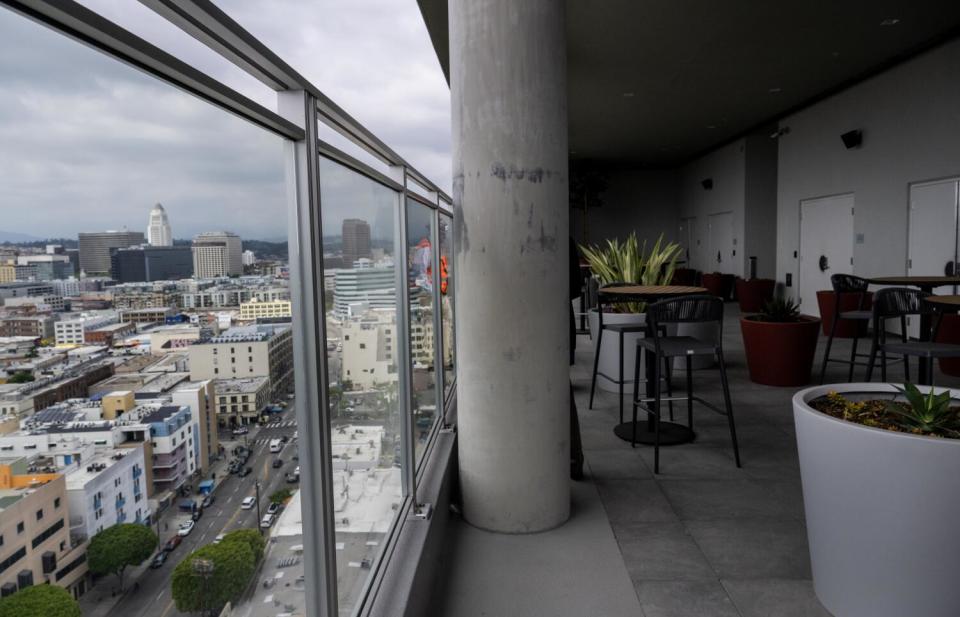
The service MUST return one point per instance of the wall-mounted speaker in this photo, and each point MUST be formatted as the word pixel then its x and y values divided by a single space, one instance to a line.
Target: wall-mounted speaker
pixel 852 139
pixel 707 184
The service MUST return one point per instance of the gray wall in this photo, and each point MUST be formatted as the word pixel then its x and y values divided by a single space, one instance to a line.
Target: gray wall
pixel 910 117
pixel 760 200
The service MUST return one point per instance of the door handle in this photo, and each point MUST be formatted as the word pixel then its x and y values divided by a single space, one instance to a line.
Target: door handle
pixel 824 263
pixel 719 258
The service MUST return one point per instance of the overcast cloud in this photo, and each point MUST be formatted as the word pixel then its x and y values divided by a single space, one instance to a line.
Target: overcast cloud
pixel 87 143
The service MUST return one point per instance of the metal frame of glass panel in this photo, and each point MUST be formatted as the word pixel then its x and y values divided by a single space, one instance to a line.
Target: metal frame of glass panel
pixel 301 106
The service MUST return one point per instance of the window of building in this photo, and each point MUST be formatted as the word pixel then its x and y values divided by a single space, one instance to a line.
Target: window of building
pixel 56 502
pixel 40 514
pixel 20 527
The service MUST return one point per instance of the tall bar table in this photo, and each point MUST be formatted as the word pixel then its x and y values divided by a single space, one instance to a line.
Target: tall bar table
pixel 670 432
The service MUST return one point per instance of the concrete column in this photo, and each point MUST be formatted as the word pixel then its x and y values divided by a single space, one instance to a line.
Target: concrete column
pixel 509 107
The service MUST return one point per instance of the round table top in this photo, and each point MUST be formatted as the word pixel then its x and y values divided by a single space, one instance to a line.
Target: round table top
pixel 953 301
pixel 648 291
pixel 917 281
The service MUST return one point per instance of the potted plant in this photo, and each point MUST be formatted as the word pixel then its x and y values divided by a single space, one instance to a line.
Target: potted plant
pixel 752 294
pixel 626 261
pixel 780 343
pixel 881 490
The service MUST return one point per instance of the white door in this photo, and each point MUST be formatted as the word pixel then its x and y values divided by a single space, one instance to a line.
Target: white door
pixel 721 252
pixel 932 236
pixel 826 246
pixel 688 240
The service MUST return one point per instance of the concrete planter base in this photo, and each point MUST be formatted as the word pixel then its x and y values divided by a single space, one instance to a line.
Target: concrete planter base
pixel 882 510
pixel 609 349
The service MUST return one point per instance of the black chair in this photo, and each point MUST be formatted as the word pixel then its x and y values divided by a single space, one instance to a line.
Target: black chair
pixel 847 284
pixel 899 303
pixel 686 309
pixel 620 330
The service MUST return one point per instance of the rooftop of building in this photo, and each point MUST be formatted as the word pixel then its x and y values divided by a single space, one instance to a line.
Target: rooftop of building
pixel 81 473
pixel 245 384
pixel 160 414
pixel 251 333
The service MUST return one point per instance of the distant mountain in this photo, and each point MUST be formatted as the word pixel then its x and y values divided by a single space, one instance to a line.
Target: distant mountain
pixel 14 237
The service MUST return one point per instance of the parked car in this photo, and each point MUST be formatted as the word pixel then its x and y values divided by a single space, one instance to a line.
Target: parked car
pixel 246 471
pixel 292 478
pixel 207 501
pixel 158 560
pixel 273 508
pixel 248 502
pixel 185 528
pixel 284 439
pixel 172 543
pixel 241 430
pixel 277 463
pixel 234 467
pixel 219 538
pixel 266 521
pixel 196 515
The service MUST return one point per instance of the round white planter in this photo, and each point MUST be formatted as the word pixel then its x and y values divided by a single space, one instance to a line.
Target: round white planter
pixel 882 513
pixel 609 349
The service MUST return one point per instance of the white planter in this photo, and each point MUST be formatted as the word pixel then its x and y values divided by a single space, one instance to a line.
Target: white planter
pixel 609 349
pixel 702 331
pixel 883 510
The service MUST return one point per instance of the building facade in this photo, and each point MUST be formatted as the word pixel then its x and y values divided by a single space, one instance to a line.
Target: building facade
pixel 217 253
pixel 241 401
pixel 356 241
pixel 95 248
pixel 151 263
pixel 158 227
pixel 256 309
pixel 248 351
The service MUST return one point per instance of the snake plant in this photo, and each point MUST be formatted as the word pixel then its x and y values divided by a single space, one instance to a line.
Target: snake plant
pixel 629 262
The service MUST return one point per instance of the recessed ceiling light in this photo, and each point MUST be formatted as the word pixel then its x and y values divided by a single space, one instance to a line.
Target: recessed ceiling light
pixel 628 95
pixel 774 90
pixel 892 21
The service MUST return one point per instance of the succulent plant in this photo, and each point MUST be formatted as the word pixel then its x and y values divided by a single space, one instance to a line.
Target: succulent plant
pixel 780 310
pixel 930 413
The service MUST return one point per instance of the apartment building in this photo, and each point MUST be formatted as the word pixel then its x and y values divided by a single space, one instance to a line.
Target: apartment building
pixel 249 351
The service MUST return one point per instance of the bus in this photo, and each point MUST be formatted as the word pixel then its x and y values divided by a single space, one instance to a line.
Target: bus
pixel 276 445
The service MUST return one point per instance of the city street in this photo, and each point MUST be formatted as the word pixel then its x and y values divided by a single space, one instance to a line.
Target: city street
pixel 153 598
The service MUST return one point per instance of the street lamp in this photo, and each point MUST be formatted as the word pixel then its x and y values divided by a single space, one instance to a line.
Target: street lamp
pixel 256 484
pixel 204 569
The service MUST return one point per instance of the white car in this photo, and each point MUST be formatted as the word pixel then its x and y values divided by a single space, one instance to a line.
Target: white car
pixel 219 538
pixel 185 528
pixel 248 502
pixel 266 521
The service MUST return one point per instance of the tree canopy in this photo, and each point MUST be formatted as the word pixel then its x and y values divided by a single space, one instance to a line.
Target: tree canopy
pixel 21 377
pixel 233 565
pixel 117 547
pixel 281 495
pixel 251 537
pixel 40 601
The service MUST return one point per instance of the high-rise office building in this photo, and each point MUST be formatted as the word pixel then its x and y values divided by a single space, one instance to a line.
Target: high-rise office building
pixel 158 228
pixel 356 241
pixel 95 249
pixel 151 263
pixel 217 253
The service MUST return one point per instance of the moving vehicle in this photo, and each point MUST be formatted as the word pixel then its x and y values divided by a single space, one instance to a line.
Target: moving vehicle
pixel 267 521
pixel 277 463
pixel 246 471
pixel 276 445
pixel 241 430
pixel 158 560
pixel 185 528
pixel 248 502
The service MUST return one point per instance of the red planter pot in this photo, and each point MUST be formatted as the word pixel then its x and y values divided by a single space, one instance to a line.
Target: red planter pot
pixel 949 332
pixel 753 294
pixel 848 302
pixel 713 281
pixel 780 354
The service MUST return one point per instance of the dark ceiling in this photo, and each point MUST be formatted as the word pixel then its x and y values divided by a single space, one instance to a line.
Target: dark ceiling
pixel 656 83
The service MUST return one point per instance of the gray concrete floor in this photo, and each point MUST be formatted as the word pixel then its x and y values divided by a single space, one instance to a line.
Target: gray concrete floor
pixel 702 538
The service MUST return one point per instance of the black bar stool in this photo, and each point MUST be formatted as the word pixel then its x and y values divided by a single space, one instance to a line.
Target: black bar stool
pixel 898 303
pixel 847 284
pixel 620 330
pixel 687 309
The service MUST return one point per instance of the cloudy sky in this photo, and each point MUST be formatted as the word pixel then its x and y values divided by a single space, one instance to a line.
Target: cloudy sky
pixel 87 143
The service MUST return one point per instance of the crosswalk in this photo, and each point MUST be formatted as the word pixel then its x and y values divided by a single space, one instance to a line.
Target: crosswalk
pixel 281 424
